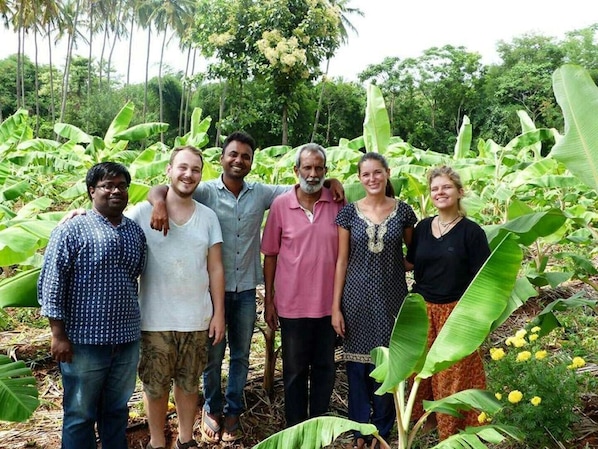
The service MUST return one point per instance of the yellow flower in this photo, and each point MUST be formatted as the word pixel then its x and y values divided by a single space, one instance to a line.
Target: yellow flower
pixel 133 414
pixel 533 337
pixel 483 418
pixel 497 353
pixel 498 396
pixel 536 401
pixel 536 329
pixel 519 342
pixel 524 356
pixel 509 341
pixel 520 333
pixel 515 396
pixel 171 407
pixel 577 362
pixel 541 354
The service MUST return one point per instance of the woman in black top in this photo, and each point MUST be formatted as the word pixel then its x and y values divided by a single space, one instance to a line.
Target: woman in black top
pixel 447 251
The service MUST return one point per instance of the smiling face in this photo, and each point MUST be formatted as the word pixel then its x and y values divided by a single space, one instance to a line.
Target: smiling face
pixel 110 196
pixel 445 194
pixel 236 160
pixel 373 176
pixel 185 172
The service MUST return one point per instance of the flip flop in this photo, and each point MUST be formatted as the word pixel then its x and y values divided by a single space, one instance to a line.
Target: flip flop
pixel 232 429
pixel 211 424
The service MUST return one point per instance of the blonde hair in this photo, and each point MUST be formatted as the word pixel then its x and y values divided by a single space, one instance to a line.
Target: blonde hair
pixel 454 177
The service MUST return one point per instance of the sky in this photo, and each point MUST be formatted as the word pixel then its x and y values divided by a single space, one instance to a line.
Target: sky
pixel 388 28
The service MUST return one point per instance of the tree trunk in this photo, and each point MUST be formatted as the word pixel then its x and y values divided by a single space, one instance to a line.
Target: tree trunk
pixel 317 118
pixel 184 83
pixel 189 92
pixel 130 48
pixel 67 64
pixel 147 58
pixel 52 101
pixel 285 124
pixel 36 80
pixel 160 82
pixel 223 88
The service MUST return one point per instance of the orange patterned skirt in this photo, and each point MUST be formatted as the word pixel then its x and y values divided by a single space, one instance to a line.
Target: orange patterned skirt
pixel 465 374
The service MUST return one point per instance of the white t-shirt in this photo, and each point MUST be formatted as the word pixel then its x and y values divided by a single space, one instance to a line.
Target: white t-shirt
pixel 174 287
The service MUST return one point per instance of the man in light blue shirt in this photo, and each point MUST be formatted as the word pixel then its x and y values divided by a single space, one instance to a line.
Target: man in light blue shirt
pixel 240 207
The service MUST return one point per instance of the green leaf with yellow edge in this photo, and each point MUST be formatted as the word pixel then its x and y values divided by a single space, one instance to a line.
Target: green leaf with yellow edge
pixel 314 433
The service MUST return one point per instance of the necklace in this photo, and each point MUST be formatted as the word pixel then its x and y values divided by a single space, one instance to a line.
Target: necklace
pixel 445 226
pixel 448 223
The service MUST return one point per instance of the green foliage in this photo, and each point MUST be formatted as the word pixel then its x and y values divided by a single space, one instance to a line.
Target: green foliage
pixel 18 394
pixel 547 381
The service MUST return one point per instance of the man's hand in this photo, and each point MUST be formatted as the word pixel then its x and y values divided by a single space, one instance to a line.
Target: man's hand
pixel 61 349
pixel 72 214
pixel 159 219
pixel 336 189
pixel 270 315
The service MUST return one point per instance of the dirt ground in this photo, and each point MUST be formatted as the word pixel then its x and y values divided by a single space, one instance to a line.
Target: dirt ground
pixel 264 414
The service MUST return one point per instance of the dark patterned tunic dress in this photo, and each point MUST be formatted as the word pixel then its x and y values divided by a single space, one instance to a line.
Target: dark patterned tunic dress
pixel 375 283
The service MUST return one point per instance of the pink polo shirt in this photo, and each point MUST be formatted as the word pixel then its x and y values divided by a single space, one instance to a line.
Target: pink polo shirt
pixel 304 280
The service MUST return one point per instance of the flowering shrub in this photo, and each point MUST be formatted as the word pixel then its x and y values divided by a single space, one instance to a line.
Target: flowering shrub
pixel 539 389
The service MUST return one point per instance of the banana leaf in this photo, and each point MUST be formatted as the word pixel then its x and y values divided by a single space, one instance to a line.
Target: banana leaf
pixel 18 393
pixel 314 433
pixel 577 95
pixel 20 290
pixel 376 126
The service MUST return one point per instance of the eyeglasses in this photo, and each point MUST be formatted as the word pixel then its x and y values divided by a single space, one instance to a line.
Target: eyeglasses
pixel 112 187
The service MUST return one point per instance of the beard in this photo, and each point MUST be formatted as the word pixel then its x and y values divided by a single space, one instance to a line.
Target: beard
pixel 310 188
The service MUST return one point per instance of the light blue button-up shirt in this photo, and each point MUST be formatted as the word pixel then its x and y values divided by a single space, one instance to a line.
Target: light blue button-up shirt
pixel 241 221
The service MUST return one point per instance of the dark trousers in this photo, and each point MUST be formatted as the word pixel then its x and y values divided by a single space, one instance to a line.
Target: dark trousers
pixel 307 357
pixel 366 406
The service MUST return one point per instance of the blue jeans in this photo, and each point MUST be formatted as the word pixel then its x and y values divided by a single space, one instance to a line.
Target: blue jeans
pixel 97 386
pixel 308 368
pixel 366 406
pixel 239 310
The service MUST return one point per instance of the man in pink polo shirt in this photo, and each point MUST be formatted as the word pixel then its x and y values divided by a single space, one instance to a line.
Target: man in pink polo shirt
pixel 300 245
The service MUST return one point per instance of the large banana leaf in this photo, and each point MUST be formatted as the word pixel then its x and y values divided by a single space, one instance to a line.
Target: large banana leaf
pixel 18 393
pixel 376 126
pixel 463 139
pixel 20 290
pixel 577 95
pixel 480 306
pixel 119 123
pixel 410 326
pixel 314 433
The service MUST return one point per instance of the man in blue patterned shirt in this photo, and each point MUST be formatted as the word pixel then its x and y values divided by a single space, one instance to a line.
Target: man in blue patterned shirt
pixel 88 290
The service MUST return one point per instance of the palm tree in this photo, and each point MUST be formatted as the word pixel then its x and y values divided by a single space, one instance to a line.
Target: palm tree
pixel 71 18
pixel 171 15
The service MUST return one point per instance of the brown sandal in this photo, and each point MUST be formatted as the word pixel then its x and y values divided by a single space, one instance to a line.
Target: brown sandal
pixel 209 424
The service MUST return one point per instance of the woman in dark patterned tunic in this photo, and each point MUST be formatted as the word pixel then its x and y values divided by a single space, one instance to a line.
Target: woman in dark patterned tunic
pixel 370 286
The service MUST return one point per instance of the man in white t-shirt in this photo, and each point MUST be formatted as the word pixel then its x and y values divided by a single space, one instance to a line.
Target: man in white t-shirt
pixel 181 299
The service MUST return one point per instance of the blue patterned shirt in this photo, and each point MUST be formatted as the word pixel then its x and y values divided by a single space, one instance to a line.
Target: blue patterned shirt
pixel 241 223
pixel 89 279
